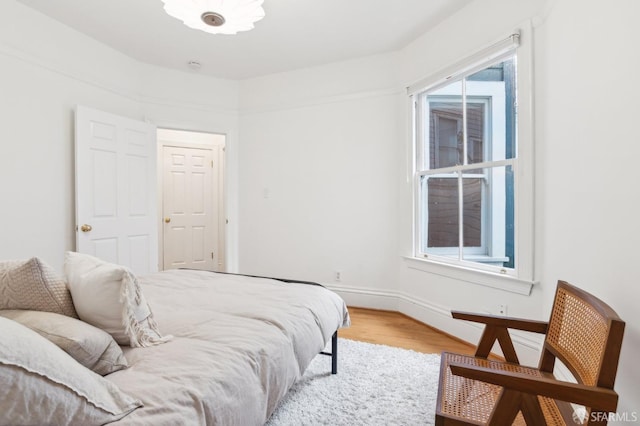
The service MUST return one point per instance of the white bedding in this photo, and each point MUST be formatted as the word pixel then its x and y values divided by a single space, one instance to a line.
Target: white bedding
pixel 239 344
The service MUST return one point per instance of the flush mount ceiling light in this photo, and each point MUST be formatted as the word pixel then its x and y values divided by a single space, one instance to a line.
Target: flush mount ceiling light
pixel 216 16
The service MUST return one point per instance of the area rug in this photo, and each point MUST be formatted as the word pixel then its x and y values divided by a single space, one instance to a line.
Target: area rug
pixel 375 385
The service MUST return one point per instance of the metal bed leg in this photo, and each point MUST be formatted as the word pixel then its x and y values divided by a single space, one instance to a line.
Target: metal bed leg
pixel 334 353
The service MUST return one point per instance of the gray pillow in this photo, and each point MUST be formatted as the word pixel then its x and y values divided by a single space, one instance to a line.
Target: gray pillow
pixel 43 385
pixel 34 285
pixel 90 346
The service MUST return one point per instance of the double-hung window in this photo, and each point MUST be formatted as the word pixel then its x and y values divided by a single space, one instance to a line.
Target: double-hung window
pixel 468 172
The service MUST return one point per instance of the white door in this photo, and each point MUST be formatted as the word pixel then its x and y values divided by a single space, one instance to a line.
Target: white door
pixel 189 218
pixel 116 207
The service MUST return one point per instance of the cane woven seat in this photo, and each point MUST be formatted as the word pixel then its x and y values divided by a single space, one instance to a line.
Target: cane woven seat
pixel 473 400
pixel 583 333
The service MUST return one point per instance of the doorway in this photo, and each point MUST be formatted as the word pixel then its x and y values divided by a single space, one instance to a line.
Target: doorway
pixel 191 200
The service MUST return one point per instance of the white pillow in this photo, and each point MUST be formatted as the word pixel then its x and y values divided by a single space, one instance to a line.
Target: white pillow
pixel 109 297
pixel 42 385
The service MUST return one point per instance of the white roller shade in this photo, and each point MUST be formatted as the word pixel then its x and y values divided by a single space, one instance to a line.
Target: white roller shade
pixel 469 65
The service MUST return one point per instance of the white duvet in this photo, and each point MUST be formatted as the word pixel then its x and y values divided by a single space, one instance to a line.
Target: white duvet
pixel 239 344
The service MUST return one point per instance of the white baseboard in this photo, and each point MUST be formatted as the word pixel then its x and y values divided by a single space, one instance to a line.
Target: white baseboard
pixel 527 345
pixel 366 297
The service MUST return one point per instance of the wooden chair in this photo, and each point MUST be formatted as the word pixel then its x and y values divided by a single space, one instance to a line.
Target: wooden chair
pixel 584 333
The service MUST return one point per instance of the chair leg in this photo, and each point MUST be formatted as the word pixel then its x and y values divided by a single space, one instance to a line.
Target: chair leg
pixel 506 409
pixel 531 410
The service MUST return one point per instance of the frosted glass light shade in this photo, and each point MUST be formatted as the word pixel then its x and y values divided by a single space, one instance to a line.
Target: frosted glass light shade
pixel 237 15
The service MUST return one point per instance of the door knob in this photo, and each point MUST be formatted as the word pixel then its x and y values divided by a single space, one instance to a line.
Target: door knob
pixel 86 228
pixel 167 219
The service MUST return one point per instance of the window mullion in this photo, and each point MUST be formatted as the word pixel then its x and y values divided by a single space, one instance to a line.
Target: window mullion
pixel 464 122
pixel 474 166
pixel 464 163
pixel 460 216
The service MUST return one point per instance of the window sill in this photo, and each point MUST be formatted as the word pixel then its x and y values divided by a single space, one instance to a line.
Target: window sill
pixel 477 258
pixel 473 276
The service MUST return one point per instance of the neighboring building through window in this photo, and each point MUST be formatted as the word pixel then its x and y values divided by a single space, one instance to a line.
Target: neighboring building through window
pixel 466 158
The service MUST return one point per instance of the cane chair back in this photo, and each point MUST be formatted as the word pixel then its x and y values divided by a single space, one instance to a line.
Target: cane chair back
pixel 585 334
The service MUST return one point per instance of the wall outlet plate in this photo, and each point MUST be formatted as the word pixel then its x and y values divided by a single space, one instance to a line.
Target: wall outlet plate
pixel 502 310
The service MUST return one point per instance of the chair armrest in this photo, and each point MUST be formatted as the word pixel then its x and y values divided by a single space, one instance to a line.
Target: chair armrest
pixel 496 328
pixel 506 322
pixel 601 399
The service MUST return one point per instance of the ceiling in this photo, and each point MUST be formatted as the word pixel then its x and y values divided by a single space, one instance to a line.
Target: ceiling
pixel 294 33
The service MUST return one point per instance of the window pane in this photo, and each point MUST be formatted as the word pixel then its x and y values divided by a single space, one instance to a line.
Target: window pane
pixel 488 217
pixel 472 196
pixel 446 134
pixel 491 113
pixel 476 126
pixel 445 131
pixel 441 215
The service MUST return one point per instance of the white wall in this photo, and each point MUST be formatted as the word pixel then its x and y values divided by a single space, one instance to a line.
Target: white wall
pixel 39 88
pixel 318 160
pixel 46 69
pixel 587 62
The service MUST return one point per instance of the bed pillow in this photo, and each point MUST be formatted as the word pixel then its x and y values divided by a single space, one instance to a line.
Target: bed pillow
pixel 41 384
pixel 34 285
pixel 109 297
pixel 93 348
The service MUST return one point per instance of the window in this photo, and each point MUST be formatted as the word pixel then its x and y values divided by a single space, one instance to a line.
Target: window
pixel 470 192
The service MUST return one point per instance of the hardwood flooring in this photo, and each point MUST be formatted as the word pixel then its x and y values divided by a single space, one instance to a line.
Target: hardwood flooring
pixel 396 329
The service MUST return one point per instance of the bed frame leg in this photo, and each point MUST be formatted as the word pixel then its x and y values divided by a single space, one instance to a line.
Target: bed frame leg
pixel 334 353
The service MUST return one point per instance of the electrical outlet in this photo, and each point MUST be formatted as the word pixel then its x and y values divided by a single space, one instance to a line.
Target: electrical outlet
pixel 502 310
pixel 338 276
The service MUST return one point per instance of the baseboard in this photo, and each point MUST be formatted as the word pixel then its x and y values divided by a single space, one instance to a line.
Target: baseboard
pixel 367 297
pixel 527 345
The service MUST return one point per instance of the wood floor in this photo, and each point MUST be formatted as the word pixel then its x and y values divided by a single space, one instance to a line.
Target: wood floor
pixel 396 329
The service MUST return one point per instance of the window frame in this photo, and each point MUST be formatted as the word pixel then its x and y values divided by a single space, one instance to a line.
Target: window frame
pixel 521 278
pixel 485 95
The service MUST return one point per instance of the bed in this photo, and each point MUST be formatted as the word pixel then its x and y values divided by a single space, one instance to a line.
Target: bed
pixel 238 343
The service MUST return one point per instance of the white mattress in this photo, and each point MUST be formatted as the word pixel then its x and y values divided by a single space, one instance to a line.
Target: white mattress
pixel 239 344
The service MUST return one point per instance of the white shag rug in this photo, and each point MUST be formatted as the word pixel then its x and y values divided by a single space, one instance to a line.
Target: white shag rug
pixel 375 385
